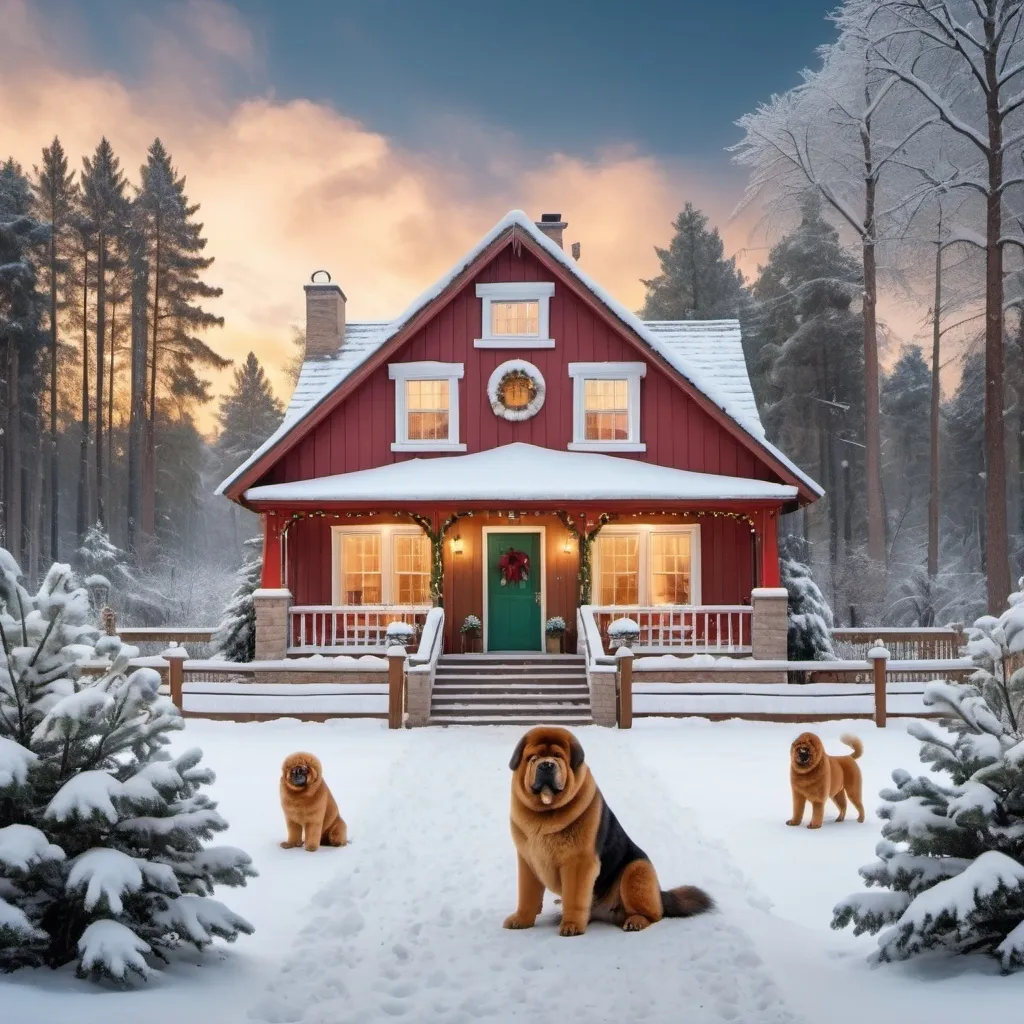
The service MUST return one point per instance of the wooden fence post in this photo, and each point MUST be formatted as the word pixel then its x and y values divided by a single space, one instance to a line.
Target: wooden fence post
pixel 396 686
pixel 176 676
pixel 879 658
pixel 624 666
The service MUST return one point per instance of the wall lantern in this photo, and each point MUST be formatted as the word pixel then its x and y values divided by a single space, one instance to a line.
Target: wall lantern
pixel 567 547
pixel 456 545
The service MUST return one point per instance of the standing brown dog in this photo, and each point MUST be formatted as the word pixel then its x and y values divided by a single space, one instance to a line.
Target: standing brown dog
pixel 308 805
pixel 816 776
pixel 568 841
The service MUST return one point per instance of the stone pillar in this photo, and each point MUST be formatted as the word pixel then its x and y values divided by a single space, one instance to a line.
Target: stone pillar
pixel 271 623
pixel 769 623
pixel 417 695
pixel 603 695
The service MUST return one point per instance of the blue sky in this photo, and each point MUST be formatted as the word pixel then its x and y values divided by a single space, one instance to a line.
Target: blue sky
pixel 669 77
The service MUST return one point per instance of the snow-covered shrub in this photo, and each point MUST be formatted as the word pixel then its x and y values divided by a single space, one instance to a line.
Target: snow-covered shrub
pixel 471 626
pixel 623 632
pixel 952 854
pixel 235 639
pixel 400 633
pixel 555 626
pixel 810 618
pixel 102 833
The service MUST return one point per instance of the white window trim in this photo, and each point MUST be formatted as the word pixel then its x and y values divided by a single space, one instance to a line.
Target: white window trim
pixel 631 372
pixel 645 530
pixel 512 291
pixel 387 532
pixel 427 370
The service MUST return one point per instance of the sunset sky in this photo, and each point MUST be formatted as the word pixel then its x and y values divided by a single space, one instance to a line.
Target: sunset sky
pixel 380 139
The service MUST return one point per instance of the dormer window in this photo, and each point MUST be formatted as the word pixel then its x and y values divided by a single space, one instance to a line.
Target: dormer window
pixel 515 315
pixel 426 406
pixel 606 407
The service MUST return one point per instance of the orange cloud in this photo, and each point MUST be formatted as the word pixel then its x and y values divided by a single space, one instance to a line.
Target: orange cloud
pixel 288 187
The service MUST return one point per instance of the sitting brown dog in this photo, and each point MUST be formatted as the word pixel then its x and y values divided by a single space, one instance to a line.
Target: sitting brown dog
pixel 816 776
pixel 568 841
pixel 308 805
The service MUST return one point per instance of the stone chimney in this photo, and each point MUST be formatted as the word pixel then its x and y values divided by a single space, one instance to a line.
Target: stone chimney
pixel 552 225
pixel 325 317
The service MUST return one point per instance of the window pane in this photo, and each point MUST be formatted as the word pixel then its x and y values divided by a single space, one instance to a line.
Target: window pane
pixel 618 568
pixel 670 568
pixel 606 410
pixel 521 317
pixel 361 571
pixel 427 406
pixel 412 569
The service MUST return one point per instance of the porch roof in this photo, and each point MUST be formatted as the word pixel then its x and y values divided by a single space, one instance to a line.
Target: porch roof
pixel 521 473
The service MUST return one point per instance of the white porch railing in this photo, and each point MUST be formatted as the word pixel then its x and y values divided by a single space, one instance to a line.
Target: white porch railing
pixel 697 629
pixel 322 629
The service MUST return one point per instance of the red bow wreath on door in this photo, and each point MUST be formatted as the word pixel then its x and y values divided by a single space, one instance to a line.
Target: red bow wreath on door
pixel 514 567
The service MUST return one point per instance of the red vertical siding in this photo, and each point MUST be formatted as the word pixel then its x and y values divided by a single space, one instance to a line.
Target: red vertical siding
pixel 358 434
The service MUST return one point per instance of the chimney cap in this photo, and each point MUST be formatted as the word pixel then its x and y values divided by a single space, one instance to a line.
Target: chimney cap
pixel 551 218
pixel 313 280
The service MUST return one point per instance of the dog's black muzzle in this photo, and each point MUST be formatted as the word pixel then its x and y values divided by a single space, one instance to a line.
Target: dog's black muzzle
pixel 546 775
pixel 803 756
pixel 298 776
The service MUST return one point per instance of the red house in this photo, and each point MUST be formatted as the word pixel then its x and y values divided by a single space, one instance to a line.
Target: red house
pixel 517 446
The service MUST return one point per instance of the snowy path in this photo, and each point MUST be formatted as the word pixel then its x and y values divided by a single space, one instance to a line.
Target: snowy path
pixel 411 925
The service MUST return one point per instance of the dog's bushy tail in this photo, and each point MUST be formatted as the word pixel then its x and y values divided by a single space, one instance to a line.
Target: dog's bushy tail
pixel 852 741
pixel 685 901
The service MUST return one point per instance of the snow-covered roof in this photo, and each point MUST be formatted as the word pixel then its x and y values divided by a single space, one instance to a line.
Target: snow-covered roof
pixel 522 473
pixel 708 354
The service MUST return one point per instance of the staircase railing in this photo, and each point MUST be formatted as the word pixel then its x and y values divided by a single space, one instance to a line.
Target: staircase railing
pixel 421 667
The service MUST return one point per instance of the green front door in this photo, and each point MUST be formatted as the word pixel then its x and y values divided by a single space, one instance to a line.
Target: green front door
pixel 513 610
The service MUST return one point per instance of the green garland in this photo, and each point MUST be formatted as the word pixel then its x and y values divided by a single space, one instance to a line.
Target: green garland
pixel 436 553
pixel 585 543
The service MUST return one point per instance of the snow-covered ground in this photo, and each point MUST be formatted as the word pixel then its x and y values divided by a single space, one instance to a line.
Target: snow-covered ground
pixel 406 921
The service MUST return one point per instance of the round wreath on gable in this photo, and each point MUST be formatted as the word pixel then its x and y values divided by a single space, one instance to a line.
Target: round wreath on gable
pixel 516 390
pixel 514 567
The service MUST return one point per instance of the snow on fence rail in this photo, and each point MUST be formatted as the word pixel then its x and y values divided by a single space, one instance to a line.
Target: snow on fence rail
pixel 913 644
pixel 324 628
pixel 874 688
pixel 711 628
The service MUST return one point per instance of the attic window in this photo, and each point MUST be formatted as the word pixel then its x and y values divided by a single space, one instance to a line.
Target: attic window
pixel 606 407
pixel 426 406
pixel 514 314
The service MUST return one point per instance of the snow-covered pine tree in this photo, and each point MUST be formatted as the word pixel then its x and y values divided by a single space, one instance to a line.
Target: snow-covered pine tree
pixel 235 639
pixel 810 617
pixel 102 834
pixel 696 281
pixel 952 853
pixel 100 560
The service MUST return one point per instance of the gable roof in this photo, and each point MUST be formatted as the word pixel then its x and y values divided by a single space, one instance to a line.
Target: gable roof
pixel 706 354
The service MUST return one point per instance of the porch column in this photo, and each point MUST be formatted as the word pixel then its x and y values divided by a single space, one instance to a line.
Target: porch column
pixel 769 627
pixel 272 601
pixel 768 529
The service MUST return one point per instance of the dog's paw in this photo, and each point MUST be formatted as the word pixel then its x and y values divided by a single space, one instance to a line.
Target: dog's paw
pixel 311 848
pixel 517 920
pixel 812 825
pixel 289 846
pixel 636 923
pixel 569 928
pixel 792 821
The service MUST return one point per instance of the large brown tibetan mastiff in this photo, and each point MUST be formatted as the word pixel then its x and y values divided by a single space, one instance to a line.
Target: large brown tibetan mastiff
pixel 816 776
pixel 309 808
pixel 568 841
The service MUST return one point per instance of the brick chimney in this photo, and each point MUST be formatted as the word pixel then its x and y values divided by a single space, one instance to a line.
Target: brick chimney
pixel 325 318
pixel 552 225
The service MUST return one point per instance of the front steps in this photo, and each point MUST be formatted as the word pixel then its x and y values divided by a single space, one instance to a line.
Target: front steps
pixel 510 689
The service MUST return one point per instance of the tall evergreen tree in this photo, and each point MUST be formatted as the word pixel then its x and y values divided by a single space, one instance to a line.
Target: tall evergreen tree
pixel 248 415
pixel 696 281
pixel 56 196
pixel 21 340
pixel 175 247
pixel 806 353
pixel 963 453
pixel 105 204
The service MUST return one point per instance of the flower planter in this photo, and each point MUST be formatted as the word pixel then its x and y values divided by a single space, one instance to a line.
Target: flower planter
pixel 554 644
pixel 470 643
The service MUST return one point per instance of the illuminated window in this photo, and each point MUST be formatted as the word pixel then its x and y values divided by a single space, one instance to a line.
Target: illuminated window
pixel 606 401
pixel 361 570
pixel 426 406
pixel 411 573
pixel 649 565
pixel 385 565
pixel 515 314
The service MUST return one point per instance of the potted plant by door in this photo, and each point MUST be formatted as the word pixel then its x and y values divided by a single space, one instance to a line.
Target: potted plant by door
pixel 470 629
pixel 554 630
pixel 623 633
